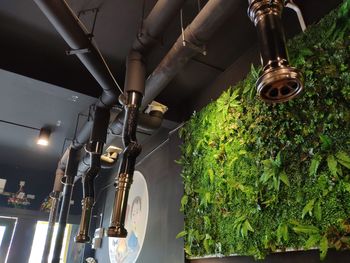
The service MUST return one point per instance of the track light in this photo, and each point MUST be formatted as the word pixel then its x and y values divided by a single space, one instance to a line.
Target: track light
pixel 44 136
pixel 279 82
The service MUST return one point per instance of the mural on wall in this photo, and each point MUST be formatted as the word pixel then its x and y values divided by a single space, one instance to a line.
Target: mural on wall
pixel 127 250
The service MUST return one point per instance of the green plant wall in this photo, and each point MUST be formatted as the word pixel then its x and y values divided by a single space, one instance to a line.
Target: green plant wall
pixel 260 178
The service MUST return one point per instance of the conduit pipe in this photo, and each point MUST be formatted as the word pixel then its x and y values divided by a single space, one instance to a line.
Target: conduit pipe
pixel 134 89
pixel 198 33
pixel 68 180
pixel 94 149
pixel 55 200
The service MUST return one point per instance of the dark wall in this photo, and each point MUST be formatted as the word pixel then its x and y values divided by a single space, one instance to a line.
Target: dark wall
pixel 165 221
pixel 289 257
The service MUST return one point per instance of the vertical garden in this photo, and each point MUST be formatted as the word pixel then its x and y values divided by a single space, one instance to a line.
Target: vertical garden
pixel 264 177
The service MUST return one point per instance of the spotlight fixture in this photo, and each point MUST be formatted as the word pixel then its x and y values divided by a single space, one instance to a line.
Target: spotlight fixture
pixel 279 81
pixel 44 136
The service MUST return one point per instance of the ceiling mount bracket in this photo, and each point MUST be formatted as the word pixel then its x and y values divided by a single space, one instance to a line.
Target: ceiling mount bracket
pixel 77 51
pixel 95 13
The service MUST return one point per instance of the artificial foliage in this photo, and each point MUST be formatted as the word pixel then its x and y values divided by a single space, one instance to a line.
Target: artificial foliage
pixel 265 177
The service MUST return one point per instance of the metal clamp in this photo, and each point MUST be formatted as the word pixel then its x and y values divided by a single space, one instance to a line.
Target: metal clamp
pixel 77 51
pixel 200 49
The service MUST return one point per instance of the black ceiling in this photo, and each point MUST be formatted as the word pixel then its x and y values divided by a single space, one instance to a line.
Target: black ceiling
pixel 31 47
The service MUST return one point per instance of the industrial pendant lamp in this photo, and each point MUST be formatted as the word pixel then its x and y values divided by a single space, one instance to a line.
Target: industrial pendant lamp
pixel 279 82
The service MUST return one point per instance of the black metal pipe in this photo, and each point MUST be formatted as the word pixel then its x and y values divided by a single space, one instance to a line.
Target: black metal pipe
pixel 152 28
pixel 156 22
pixel 198 33
pixel 94 149
pixel 70 173
pixel 134 87
pixel 76 36
pixel 55 200
pixel 279 82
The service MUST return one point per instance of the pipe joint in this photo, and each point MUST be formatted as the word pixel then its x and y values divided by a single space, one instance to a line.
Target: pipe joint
pixel 258 9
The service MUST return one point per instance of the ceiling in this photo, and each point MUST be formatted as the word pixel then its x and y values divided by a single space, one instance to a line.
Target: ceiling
pixel 45 81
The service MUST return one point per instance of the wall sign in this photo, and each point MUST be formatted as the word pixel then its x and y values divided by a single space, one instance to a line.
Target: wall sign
pixel 127 250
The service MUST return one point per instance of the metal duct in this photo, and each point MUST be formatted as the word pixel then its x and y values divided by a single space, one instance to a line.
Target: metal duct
pixel 202 28
pixel 134 88
pixel 95 149
pixel 279 82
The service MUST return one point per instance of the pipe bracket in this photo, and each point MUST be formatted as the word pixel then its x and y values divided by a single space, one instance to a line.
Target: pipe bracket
pixel 77 51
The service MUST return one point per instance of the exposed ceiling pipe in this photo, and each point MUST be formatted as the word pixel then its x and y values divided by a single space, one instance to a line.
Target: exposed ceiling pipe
pixel 94 148
pixel 68 179
pixel 134 89
pixel 76 36
pixel 155 24
pixel 152 28
pixel 199 32
pixel 74 33
pixel 55 200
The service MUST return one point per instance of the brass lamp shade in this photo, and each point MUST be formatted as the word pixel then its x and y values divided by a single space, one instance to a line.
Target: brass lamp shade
pixel 279 82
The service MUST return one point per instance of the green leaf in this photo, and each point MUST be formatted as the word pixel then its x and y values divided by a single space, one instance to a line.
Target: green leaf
pixel 332 164
pixel 211 175
pixel 249 227
pixel 207 222
pixel 315 162
pixel 188 249
pixel 282 233
pixel 278 160
pixel 181 234
pixel 308 208
pixel 318 210
pixel 346 186
pixel 245 228
pixel 343 158
pixel 323 247
pixel 326 142
pixel 304 229
pixel 284 178
pixel 312 241
pixel 184 201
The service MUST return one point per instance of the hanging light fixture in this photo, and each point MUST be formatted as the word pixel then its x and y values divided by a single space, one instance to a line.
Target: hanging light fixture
pixel 44 136
pixel 279 82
